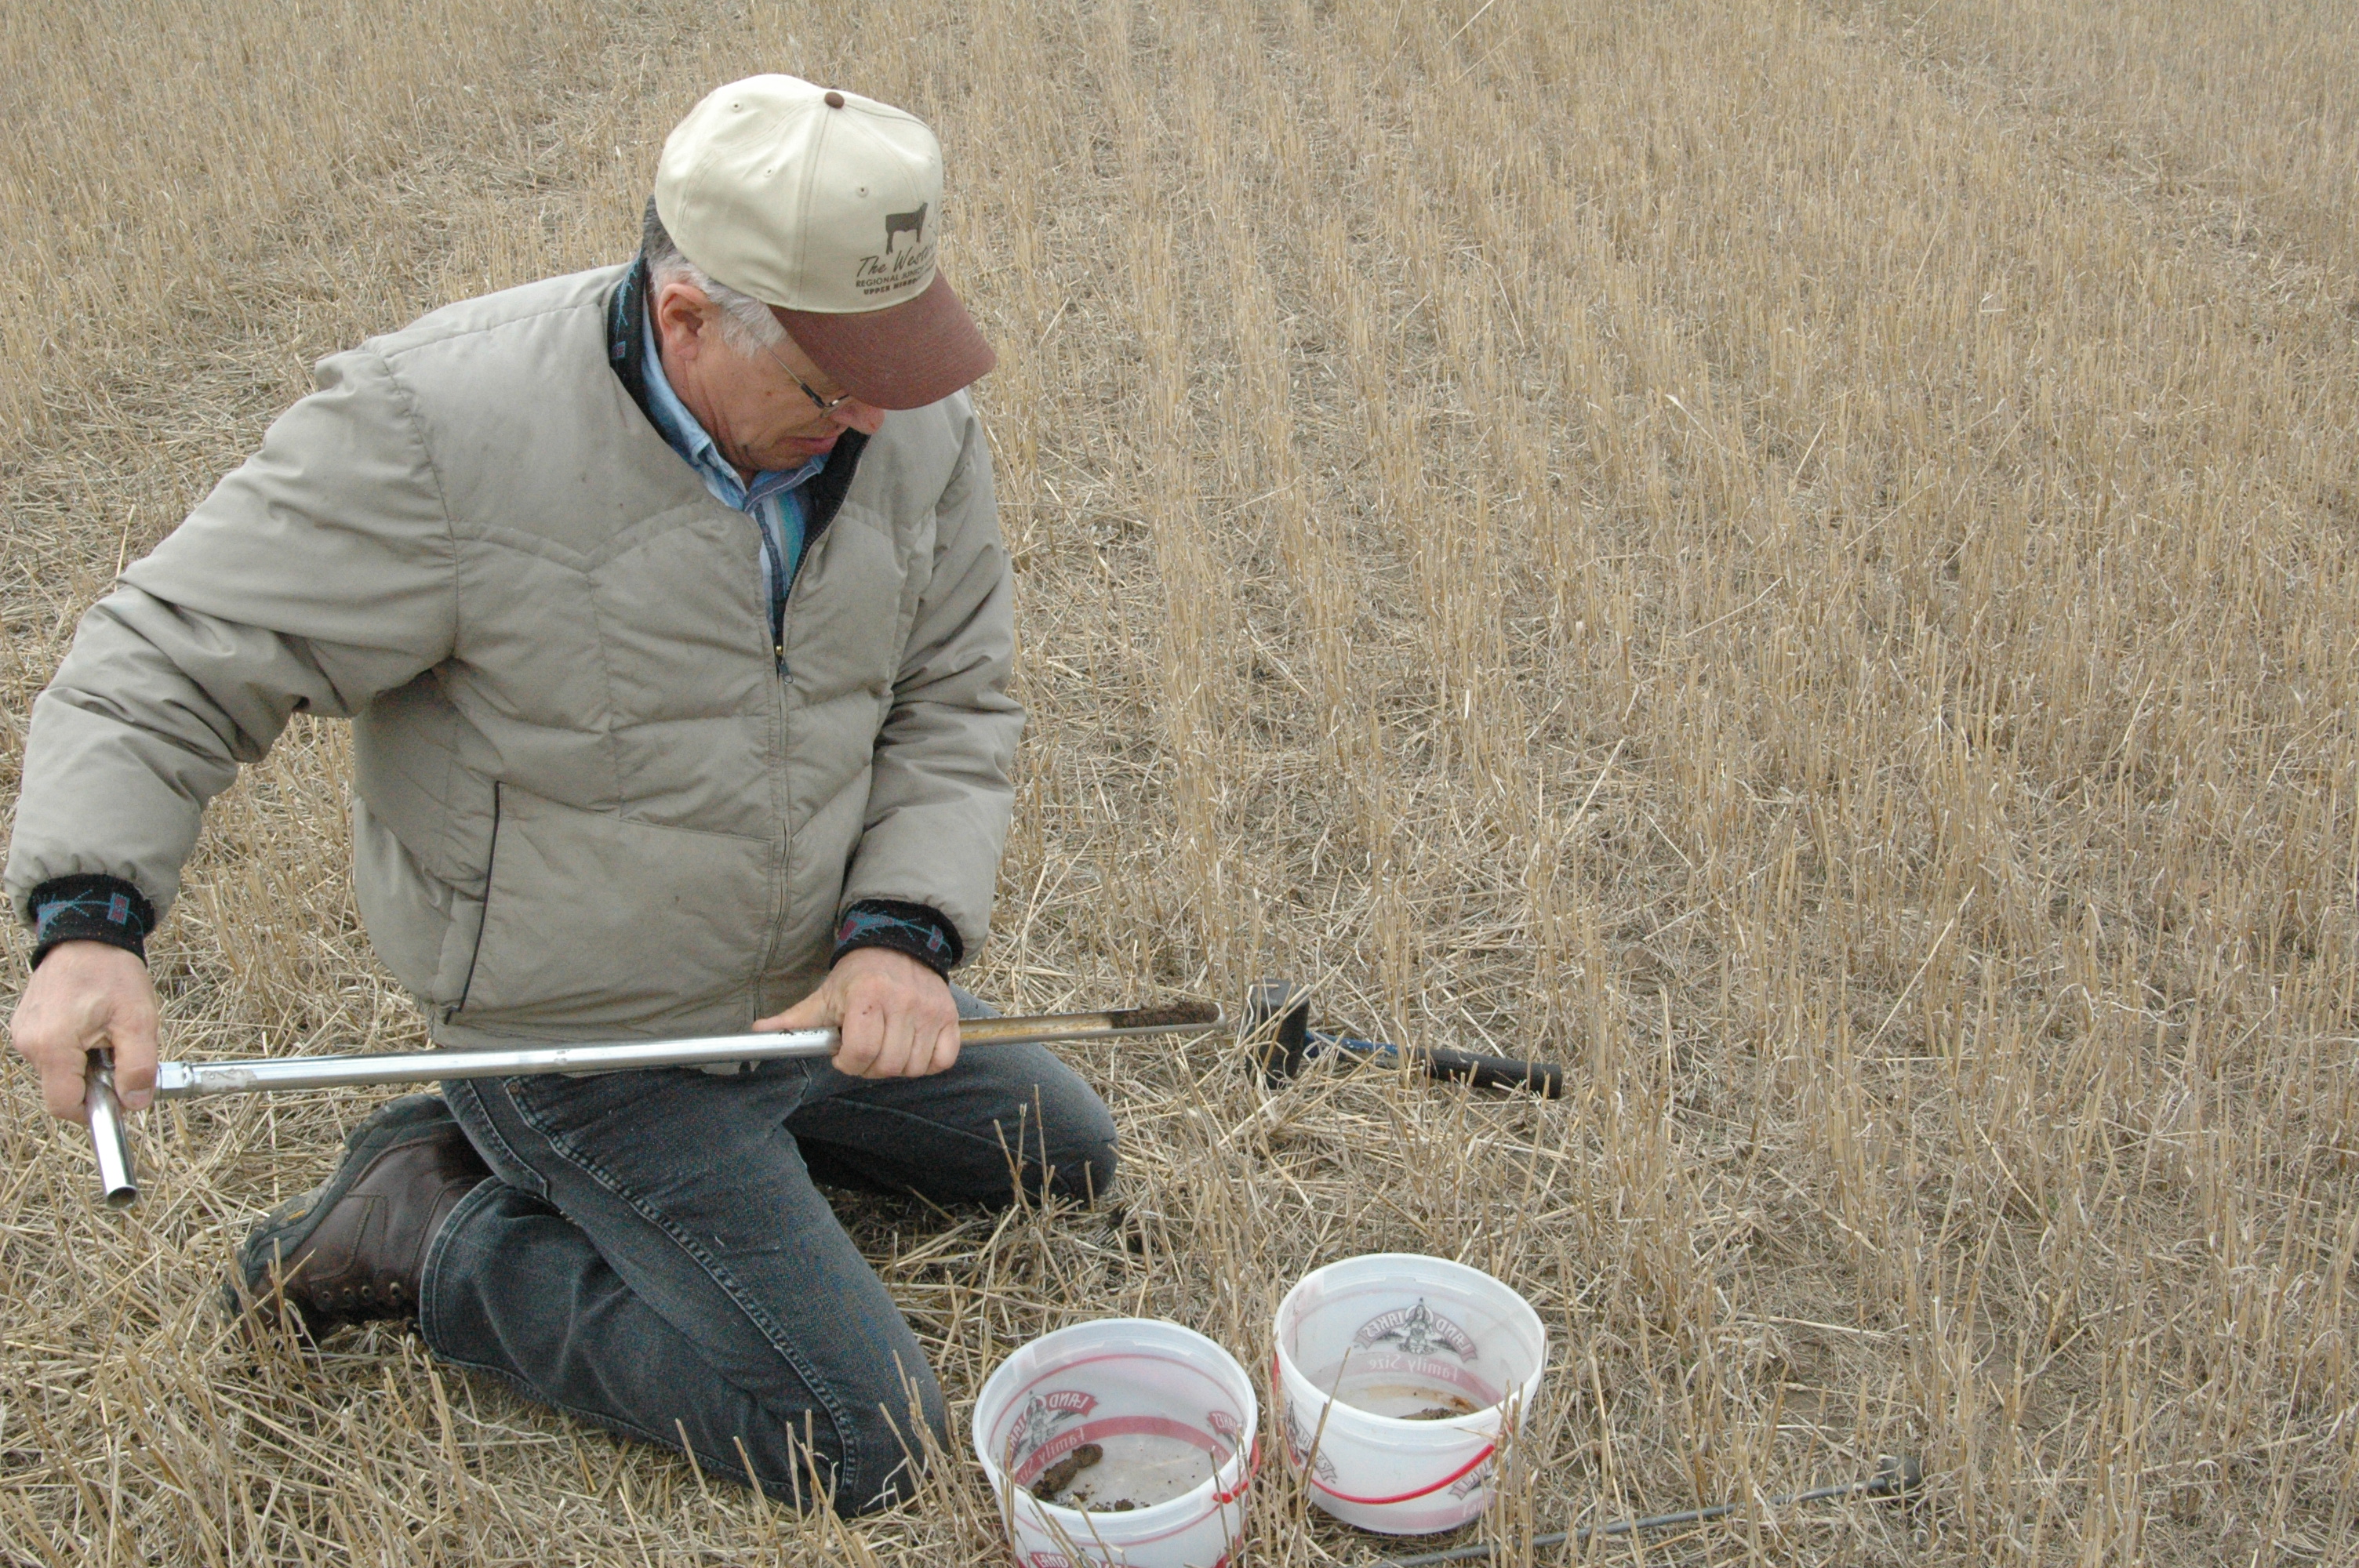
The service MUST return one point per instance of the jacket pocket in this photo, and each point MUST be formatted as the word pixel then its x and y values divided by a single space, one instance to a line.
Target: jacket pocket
pixel 475 937
pixel 422 927
pixel 594 920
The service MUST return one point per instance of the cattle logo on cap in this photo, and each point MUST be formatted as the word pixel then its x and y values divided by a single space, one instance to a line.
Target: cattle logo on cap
pixel 910 224
pixel 899 268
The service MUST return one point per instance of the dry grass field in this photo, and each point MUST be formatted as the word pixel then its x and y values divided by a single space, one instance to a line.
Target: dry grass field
pixel 1798 556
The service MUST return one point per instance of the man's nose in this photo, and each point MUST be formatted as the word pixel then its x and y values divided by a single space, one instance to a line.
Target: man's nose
pixel 854 415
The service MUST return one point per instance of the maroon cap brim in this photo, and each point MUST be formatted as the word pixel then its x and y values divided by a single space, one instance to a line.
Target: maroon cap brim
pixel 904 356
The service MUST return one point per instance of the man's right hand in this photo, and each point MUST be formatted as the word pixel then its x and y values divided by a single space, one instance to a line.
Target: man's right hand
pixel 85 997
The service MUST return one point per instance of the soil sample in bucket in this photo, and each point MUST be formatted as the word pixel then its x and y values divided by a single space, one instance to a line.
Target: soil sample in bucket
pixel 1123 1472
pixel 1409 1393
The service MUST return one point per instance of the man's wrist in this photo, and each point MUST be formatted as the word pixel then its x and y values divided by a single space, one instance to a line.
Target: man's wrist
pixel 90 908
pixel 917 930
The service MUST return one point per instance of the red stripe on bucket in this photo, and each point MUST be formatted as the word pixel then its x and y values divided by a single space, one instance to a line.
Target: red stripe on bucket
pixel 1277 1388
pixel 1488 1450
pixel 1253 1468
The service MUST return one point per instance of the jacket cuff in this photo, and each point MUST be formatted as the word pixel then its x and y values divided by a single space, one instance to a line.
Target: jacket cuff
pixel 922 932
pixel 89 908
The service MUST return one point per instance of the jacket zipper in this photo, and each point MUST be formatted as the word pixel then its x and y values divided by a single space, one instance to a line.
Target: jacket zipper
pixel 773 572
pixel 780 584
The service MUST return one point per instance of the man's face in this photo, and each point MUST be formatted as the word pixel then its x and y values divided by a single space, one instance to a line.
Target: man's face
pixel 750 403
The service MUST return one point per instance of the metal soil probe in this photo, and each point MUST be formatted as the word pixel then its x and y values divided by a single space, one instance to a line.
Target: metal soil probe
pixel 119 1183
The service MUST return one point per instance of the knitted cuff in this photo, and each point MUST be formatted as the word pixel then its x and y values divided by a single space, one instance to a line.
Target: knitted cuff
pixel 91 909
pixel 915 929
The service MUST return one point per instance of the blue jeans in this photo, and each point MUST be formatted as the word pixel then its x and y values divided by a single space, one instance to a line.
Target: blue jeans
pixel 654 1256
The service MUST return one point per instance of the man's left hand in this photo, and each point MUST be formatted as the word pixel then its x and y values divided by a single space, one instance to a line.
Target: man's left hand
pixel 896 1016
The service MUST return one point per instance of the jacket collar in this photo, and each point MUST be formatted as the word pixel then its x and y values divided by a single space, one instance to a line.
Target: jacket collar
pixel 626 324
pixel 627 336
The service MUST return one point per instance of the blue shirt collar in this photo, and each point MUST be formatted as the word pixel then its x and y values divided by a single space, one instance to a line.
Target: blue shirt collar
pixel 696 447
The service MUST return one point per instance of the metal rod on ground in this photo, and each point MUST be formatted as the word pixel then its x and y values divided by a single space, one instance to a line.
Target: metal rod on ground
pixel 1896 1476
pixel 186 1080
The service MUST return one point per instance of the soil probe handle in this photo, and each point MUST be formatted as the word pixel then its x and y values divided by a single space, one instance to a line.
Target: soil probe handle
pixel 118 1179
pixel 1543 1078
pixel 1277 1027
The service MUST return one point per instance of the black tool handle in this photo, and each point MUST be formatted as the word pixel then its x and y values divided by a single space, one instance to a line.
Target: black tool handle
pixel 1285 1006
pixel 1543 1078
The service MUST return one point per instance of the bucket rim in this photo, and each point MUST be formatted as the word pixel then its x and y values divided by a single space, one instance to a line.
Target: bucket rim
pixel 1523 1308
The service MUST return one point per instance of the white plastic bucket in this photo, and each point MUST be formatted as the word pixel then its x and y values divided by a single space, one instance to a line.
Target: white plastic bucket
pixel 1394 1335
pixel 1170 1412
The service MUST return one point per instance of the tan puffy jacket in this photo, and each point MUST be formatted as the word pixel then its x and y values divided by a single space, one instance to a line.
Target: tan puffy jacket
pixel 588 800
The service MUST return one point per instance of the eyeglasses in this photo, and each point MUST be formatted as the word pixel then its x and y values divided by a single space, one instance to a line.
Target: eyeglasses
pixel 824 405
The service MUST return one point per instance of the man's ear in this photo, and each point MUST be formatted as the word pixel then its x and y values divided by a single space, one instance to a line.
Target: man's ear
pixel 682 316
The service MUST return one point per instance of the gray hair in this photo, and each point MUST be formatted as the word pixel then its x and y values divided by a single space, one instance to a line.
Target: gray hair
pixel 746 324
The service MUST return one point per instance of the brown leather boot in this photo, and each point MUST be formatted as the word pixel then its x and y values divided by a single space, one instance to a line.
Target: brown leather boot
pixel 355 1248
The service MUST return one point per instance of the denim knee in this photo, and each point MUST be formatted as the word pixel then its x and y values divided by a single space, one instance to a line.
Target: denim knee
pixel 877 1468
pixel 1085 1171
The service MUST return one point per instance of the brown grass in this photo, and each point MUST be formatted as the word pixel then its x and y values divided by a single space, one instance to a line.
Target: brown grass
pixel 1795 557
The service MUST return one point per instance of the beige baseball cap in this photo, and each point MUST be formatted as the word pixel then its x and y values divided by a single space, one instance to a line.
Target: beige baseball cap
pixel 827 207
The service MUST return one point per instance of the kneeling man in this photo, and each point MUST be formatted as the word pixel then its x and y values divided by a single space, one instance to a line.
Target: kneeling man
pixel 668 605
